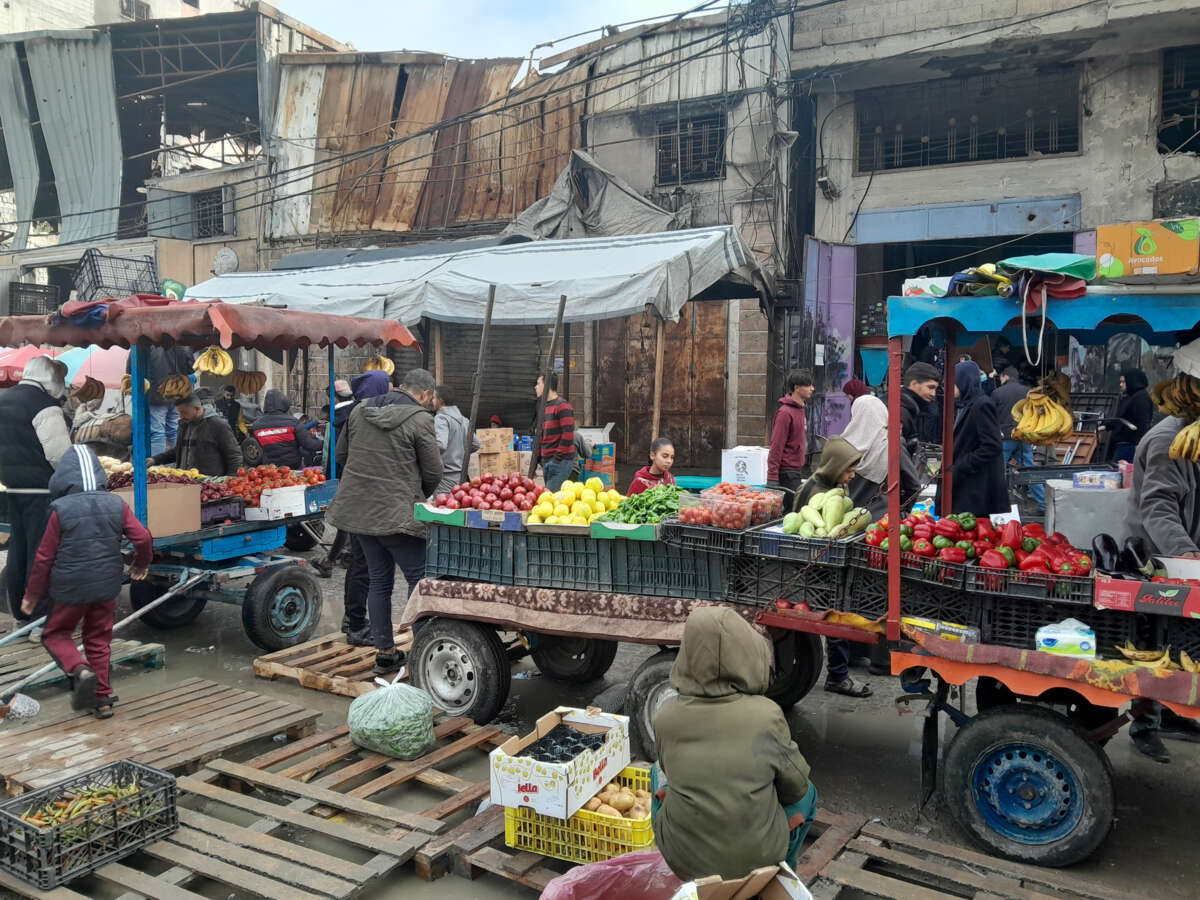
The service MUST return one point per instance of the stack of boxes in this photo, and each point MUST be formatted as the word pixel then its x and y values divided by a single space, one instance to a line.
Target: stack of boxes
pixel 602 465
pixel 496 453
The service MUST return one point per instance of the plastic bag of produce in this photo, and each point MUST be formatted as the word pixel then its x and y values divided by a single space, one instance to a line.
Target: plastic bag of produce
pixel 397 720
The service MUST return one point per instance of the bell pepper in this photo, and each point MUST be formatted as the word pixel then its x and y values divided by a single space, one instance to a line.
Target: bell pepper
pixel 981 547
pixel 923 530
pixel 1010 535
pixel 1021 556
pixel 923 547
pixel 967 521
pixel 875 536
pixel 1008 553
pixel 782 605
pixel 993 560
pixel 1034 530
pixel 801 606
pixel 1034 563
pixel 883 523
pixel 1057 538
pixel 953 554
pixel 967 548
pixel 1083 564
pixel 948 528
pixel 940 542
pixel 1030 544
pixel 984 527
pixel 906 530
pixel 883 545
pixel 970 534
pixel 906 544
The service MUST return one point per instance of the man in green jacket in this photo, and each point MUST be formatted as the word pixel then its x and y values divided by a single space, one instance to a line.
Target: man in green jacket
pixel 738 795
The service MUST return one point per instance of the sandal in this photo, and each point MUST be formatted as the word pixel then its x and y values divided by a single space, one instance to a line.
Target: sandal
pixel 104 707
pixel 848 687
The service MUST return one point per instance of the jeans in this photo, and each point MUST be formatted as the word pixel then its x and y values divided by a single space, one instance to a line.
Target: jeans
pixel 1123 452
pixel 357 586
pixel 164 427
pixel 97 621
pixel 837 659
pixel 27 514
pixel 1023 455
pixel 556 471
pixel 383 553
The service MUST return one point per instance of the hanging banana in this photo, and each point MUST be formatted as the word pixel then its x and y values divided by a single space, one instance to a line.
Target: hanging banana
pixel 1041 418
pixel 249 382
pixel 214 361
pixel 1178 396
pixel 380 363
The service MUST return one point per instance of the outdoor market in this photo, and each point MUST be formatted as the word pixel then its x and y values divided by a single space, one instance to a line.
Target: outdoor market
pixel 1014 560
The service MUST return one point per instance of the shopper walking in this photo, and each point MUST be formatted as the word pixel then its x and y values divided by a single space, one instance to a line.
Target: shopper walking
pixel 978 484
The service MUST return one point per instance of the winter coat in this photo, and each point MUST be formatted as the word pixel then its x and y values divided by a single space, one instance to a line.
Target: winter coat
pixel 789 439
pixel 728 756
pixel 206 444
pixel 285 442
pixel 838 456
pixel 912 416
pixel 1005 397
pixel 1135 408
pixel 388 460
pixel 451 428
pixel 1164 494
pixel 979 485
pixel 33 430
pixel 644 480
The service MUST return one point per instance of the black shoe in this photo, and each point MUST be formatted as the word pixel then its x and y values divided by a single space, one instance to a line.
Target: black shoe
pixel 880 669
pixel 1148 743
pixel 848 687
pixel 83 692
pixel 388 663
pixel 323 567
pixel 359 637
pixel 1179 728
pixel 104 706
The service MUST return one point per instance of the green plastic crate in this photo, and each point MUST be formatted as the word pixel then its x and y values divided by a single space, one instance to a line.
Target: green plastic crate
pixel 561 561
pixel 661 570
pixel 472 554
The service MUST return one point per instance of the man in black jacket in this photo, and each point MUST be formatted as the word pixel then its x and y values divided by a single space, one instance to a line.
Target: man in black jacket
pixel 1005 397
pixel 206 442
pixel 920 384
pixel 285 442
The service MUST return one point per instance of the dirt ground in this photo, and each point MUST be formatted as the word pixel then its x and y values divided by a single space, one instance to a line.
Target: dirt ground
pixel 864 756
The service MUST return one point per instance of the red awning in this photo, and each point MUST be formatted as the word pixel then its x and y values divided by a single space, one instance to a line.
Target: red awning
pixel 201 324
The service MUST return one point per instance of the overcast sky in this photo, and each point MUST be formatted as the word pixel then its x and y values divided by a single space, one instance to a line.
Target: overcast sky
pixel 470 28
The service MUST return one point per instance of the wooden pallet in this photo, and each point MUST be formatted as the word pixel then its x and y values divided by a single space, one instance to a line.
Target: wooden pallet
pixel 327 664
pixel 176 730
pixel 20 658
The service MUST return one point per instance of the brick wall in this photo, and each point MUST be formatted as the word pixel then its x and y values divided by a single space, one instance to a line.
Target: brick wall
pixel 752 350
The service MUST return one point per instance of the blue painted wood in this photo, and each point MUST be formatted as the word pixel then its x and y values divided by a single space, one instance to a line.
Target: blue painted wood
pixel 974 219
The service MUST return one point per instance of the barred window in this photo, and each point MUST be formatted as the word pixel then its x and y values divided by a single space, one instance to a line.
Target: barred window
pixel 1180 101
pixel 691 149
pixel 208 213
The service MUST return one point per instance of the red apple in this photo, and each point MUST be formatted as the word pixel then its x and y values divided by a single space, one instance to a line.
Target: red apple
pixel 509 506
pixel 488 477
pixel 506 493
pixel 442 499
pixel 452 504
pixel 476 481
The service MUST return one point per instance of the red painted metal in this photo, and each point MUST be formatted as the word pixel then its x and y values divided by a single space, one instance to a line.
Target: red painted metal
pixel 895 431
pixel 945 506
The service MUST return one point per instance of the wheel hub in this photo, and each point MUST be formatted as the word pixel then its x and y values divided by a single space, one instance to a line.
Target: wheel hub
pixel 288 610
pixel 449 673
pixel 1027 794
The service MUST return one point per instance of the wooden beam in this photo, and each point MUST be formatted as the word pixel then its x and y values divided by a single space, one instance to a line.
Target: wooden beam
pixel 438 366
pixel 477 383
pixel 566 380
pixel 535 457
pixel 659 348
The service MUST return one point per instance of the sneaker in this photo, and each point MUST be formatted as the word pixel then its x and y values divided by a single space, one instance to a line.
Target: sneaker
pixel 359 637
pixel 848 687
pixel 389 663
pixel 1148 743
pixel 83 693
pixel 35 636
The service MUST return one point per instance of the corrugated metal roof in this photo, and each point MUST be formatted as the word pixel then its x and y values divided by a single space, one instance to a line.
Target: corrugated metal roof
pixel 18 142
pixel 311 259
pixel 77 106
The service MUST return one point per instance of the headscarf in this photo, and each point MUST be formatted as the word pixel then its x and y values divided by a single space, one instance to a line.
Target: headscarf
pixel 371 384
pixel 967 380
pixel 867 431
pixel 1135 380
pixel 855 389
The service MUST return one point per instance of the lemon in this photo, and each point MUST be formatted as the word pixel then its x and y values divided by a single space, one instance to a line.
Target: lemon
pixel 578 520
pixel 579 508
pixel 595 484
pixel 545 508
pixel 598 508
pixel 564 496
pixel 568 485
pixel 562 510
pixel 551 520
pixel 587 495
pixel 577 489
pixel 544 496
pixel 534 518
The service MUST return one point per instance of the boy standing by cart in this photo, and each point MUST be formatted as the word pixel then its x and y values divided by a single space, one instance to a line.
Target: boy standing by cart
pixel 78 564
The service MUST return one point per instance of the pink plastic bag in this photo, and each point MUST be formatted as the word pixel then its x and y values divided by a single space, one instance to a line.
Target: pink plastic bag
pixel 635 876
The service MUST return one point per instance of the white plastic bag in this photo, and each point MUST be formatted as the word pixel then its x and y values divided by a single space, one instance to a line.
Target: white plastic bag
pixel 396 720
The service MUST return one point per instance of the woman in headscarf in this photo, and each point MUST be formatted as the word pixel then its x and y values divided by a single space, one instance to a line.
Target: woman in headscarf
pixel 868 433
pixel 1135 413
pixel 978 485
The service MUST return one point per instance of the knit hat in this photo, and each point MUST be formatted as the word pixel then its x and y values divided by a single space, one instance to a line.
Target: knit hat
pixel 921 371
pixel 855 389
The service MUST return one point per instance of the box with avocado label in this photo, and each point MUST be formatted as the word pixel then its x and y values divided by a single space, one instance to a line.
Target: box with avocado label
pixel 560 789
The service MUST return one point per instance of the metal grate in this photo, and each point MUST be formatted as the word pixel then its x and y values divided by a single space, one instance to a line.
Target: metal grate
pixel 208 213
pixel 691 149
pixel 1180 101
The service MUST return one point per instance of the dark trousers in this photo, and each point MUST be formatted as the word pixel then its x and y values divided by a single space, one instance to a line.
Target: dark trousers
pixel 97 621
pixel 837 659
pixel 27 515
pixel 791 479
pixel 356 586
pixel 383 553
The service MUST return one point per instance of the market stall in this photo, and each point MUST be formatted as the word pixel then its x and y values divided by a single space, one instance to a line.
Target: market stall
pixel 227 530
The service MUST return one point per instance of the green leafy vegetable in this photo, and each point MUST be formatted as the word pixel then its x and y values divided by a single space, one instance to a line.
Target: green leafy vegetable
pixel 646 508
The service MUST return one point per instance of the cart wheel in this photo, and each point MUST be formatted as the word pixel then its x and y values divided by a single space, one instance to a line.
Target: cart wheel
pixel 462 666
pixel 799 659
pixel 282 607
pixel 572 659
pixel 173 613
pixel 1028 784
pixel 298 538
pixel 649 688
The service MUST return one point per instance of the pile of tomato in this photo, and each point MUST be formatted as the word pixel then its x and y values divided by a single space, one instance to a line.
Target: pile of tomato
pixel 250 483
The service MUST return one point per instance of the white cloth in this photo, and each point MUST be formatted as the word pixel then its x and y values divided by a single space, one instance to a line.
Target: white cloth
pixel 867 432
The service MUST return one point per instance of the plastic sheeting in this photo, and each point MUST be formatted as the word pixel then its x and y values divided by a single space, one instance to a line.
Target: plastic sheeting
pixel 602 278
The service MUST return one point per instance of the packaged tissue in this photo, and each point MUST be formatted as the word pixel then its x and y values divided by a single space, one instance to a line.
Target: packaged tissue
pixel 1069 637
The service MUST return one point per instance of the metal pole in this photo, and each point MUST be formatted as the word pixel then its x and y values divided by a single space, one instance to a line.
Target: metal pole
pixel 566 379
pixel 477 381
pixel 945 507
pixel 535 457
pixel 895 439
pixel 659 342
pixel 139 365
pixel 331 463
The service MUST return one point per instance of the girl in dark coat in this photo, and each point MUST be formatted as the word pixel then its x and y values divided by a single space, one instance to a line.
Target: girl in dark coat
pixel 1135 413
pixel 979 486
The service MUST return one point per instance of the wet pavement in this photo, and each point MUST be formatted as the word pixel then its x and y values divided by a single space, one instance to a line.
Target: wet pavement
pixel 864 756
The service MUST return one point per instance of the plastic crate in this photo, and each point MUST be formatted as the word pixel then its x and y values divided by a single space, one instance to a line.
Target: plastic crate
pixel 759 581
pixel 702 537
pixel 216 512
pixel 1013 622
pixel 99 276
pixel 469 553
pixel 1180 634
pixel 586 837
pixel 775 544
pixel 1073 589
pixel 913 566
pixel 48 857
pixel 561 561
pixel 660 570
pixel 866 593
pixel 26 299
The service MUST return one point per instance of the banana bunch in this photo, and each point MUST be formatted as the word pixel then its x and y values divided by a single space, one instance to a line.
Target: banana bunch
pixel 91 390
pixel 1152 659
pixel 175 387
pixel 249 382
pixel 214 361
pixel 1178 396
pixel 127 385
pixel 1041 419
pixel 380 363
pixel 1187 443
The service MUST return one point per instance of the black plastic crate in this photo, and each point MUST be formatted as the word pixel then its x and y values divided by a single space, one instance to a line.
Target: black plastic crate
pixel 702 537
pixel 776 545
pixel 561 561
pixel 100 276
pixel 760 581
pixel 1180 634
pixel 866 593
pixel 661 570
pixel 26 299
pixel 913 566
pixel 1073 589
pixel 48 857
pixel 217 512
pixel 1013 622
pixel 472 554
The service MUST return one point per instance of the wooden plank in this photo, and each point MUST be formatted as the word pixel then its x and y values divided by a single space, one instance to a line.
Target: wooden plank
pixel 878 885
pixel 327 797
pixel 492 860
pixel 152 656
pixel 406 771
pixel 265 728
pixel 927 868
pixel 463 799
pixel 287 751
pixel 144 884
pixel 371 761
pixel 434 856
pixel 234 875
pixel 328 664
pixel 522 861
pixel 18 888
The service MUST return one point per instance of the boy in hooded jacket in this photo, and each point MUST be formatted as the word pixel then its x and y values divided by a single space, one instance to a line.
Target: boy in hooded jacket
pixel 79 565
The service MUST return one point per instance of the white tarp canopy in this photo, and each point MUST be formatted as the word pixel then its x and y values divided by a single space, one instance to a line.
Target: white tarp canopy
pixel 602 278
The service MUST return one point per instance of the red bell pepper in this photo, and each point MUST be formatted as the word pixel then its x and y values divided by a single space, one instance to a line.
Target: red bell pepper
pixel 1021 555
pixel 801 606
pixel 875 536
pixel 948 528
pixel 993 560
pixel 984 527
pixel 1010 536
pixel 970 534
pixel 953 554
pixel 923 531
pixel 923 547
pixel 1034 562
pixel 1034 530
pixel 981 547
pixel 1058 538
pixel 782 605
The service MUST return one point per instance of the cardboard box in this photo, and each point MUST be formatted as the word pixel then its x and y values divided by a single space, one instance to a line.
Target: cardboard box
pixel 504 462
pixel 559 789
pixel 496 518
pixel 493 440
pixel 282 503
pixel 744 465
pixel 317 497
pixel 781 884
pixel 427 512
pixel 1147 596
pixel 170 508
pixel 604 453
pixel 1163 247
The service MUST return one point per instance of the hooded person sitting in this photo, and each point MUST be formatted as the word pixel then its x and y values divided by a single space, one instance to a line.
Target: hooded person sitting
pixel 738 794
pixel 284 441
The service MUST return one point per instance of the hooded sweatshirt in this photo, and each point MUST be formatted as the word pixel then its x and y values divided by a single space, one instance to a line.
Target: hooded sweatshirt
pixel 285 442
pixel 1135 411
pixel 789 438
pixel 1164 494
pixel 33 428
pixel 451 428
pixel 729 758
pixel 79 557
pixel 838 456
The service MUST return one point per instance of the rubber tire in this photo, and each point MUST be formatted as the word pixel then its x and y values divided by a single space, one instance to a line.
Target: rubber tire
pixel 256 606
pixel 172 614
pixel 799 661
pixel 298 540
pixel 549 652
pixel 1035 725
pixel 489 658
pixel 649 684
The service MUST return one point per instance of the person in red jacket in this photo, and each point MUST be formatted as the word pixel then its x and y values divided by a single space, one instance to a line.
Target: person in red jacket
pixel 662 457
pixel 789 436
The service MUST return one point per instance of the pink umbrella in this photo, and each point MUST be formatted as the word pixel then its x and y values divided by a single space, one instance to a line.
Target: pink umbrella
pixel 106 366
pixel 12 362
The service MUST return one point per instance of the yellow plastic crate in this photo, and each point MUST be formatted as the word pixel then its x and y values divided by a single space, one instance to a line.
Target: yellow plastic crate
pixel 586 836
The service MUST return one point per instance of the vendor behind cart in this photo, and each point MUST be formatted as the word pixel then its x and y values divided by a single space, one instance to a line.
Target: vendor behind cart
pixel 205 442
